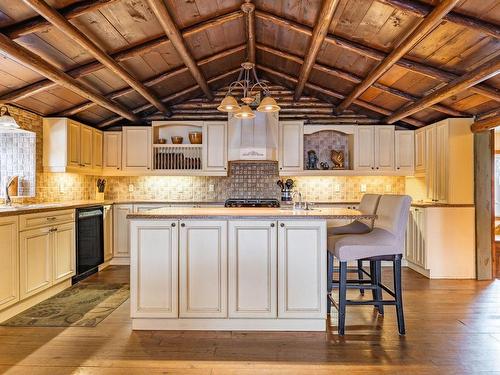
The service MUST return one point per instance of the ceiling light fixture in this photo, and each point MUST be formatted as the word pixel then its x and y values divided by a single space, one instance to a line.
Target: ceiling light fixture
pixel 250 84
pixel 7 122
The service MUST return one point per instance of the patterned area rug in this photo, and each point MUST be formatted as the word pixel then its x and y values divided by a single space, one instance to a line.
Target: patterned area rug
pixel 82 305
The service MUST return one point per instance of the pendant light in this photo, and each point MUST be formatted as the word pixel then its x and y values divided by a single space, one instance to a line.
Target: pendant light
pixel 7 122
pixel 245 113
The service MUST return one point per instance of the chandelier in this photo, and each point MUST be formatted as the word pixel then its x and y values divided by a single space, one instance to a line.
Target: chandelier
pixel 248 82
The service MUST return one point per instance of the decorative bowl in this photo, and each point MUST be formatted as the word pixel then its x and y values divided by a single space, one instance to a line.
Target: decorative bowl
pixel 177 140
pixel 195 138
pixel 162 141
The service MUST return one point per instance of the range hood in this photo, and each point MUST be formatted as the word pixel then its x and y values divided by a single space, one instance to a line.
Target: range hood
pixel 253 139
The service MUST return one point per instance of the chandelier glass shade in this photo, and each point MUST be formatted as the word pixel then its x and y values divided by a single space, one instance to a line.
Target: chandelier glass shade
pixel 250 84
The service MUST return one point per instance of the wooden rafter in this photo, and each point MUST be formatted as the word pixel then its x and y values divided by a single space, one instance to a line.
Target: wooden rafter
pixel 337 95
pixel 91 67
pixel 355 79
pixel 249 9
pixel 421 9
pixel 372 53
pixel 175 36
pixel 36 63
pixel 153 81
pixel 319 33
pixel 68 29
pixel 415 36
pixel 486 124
pixel 485 71
pixel 39 24
pixel 188 91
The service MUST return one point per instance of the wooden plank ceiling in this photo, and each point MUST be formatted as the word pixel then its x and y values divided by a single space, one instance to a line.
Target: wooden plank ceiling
pixel 119 62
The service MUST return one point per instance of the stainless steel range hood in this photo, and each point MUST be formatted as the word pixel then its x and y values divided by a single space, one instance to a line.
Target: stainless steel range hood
pixel 255 139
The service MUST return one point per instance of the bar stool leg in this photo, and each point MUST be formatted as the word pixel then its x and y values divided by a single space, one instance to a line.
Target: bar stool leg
pixel 342 297
pixel 378 272
pixel 399 296
pixel 329 285
pixel 373 278
pixel 360 275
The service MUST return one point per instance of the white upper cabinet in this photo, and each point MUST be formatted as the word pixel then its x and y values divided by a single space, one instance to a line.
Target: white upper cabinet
pixel 374 148
pixel 136 148
pixel 405 150
pixel 215 146
pixel 112 152
pixel 291 146
pixel 420 150
pixel 69 146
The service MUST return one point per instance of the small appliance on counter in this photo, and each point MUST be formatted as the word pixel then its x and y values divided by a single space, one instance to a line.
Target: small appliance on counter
pixel 286 189
pixel 252 202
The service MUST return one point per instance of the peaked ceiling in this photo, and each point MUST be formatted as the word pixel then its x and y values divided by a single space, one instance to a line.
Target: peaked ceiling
pixel 118 62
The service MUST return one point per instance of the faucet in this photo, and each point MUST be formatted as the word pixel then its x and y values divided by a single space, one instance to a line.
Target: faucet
pixel 10 181
pixel 300 199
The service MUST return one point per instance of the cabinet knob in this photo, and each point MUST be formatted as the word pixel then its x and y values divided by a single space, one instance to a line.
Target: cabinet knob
pixel 173 224
pixel 183 225
pixel 282 225
pixel 377 168
pixel 272 225
pixel 373 168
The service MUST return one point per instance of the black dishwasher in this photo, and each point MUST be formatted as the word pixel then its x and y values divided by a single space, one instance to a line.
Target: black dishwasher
pixel 89 241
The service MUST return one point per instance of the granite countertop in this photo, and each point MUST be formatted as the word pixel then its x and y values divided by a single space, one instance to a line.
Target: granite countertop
pixel 249 213
pixel 20 209
pixel 431 205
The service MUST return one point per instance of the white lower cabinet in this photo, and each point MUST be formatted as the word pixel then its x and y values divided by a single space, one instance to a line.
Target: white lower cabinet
pixel 64 252
pixel 36 263
pixel 252 252
pixel 108 232
pixel 9 266
pixel 153 272
pixel 203 269
pixel 302 269
pixel 120 230
pixel 415 244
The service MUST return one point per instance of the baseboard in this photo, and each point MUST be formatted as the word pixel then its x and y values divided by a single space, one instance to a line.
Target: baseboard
pixel 230 324
pixel 119 262
pixel 105 265
pixel 419 269
pixel 33 300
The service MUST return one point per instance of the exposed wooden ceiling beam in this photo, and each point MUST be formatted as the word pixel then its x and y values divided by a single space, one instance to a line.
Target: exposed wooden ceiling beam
pixel 152 81
pixel 188 91
pixel 36 63
pixel 485 124
pixel 160 10
pixel 337 95
pixel 249 9
pixel 139 49
pixel 39 24
pixel 68 29
pixel 485 71
pixel 319 33
pixel 355 79
pixel 378 55
pixel 420 9
pixel 406 44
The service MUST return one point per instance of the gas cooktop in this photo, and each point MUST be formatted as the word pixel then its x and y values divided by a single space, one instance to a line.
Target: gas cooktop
pixel 252 202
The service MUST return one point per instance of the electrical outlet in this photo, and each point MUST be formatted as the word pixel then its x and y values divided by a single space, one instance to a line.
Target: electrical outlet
pixel 211 188
pixel 131 188
pixel 362 188
pixel 61 188
pixel 388 188
pixel 337 188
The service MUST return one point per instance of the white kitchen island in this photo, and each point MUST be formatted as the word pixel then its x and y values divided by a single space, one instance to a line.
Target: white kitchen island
pixel 230 268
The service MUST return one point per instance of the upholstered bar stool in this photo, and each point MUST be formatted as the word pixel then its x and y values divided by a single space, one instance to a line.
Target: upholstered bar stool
pixel 384 242
pixel 368 205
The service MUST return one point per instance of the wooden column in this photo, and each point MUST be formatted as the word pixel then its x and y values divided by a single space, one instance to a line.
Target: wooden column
pixel 318 36
pixel 485 208
pixel 174 35
pixel 485 71
pixel 36 63
pixel 68 29
pixel 415 36
pixel 249 9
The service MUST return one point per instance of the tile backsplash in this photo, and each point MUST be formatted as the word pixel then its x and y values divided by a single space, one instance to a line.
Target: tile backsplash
pixel 245 180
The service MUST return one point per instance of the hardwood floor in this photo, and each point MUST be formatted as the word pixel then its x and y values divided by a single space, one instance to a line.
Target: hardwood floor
pixel 453 327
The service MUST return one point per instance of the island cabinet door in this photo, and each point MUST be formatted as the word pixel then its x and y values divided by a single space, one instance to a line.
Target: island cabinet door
pixel 302 269
pixel 154 247
pixel 252 256
pixel 203 269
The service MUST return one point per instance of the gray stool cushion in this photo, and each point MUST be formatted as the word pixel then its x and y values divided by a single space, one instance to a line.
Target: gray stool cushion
pixel 359 246
pixel 356 227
